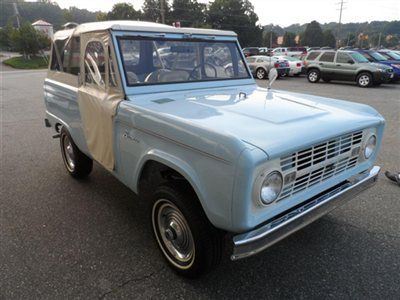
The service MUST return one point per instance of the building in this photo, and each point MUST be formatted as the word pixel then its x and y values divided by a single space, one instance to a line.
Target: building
pixel 44 27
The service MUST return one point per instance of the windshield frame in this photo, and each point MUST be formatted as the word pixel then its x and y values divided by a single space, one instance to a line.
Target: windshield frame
pixel 119 35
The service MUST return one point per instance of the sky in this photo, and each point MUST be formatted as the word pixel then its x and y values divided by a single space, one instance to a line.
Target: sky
pixel 287 12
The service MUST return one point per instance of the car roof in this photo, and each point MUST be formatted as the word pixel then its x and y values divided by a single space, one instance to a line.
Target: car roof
pixel 126 25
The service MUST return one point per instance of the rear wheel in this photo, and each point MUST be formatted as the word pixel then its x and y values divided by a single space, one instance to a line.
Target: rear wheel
pixel 187 240
pixel 313 75
pixel 261 73
pixel 364 80
pixel 78 165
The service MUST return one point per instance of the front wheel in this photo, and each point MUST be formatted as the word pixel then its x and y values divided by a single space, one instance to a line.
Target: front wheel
pixel 78 165
pixel 313 75
pixel 187 240
pixel 364 80
pixel 261 73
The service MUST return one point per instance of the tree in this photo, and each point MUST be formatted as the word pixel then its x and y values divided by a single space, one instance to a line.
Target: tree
pixel 5 34
pixel 236 15
pixel 313 36
pixel 269 39
pixel 189 12
pixel 152 10
pixel 28 40
pixel 329 39
pixel 289 39
pixel 123 11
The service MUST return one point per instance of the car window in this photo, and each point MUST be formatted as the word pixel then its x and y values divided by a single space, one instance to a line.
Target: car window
pixel 327 57
pixel 95 64
pixel 162 60
pixel 377 56
pixel 313 55
pixel 56 56
pixel 358 57
pixel 343 58
pixel 393 55
pixel 367 56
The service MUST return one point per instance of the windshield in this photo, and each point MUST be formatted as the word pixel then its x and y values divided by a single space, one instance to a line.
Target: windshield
pixel 358 57
pixel 393 55
pixel 159 60
pixel 377 56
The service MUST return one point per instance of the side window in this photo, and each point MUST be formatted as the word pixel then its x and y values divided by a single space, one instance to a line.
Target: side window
pixel 111 68
pixel 65 56
pixel 367 56
pixel 95 64
pixel 313 55
pixel 57 55
pixel 327 57
pixel 343 58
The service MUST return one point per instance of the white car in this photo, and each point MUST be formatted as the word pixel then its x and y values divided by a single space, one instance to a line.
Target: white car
pixel 295 64
pixel 290 51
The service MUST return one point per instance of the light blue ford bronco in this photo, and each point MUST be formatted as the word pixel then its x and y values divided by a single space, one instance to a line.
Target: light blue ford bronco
pixel 175 115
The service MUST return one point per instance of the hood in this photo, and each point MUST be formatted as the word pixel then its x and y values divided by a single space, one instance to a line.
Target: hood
pixel 384 64
pixel 275 121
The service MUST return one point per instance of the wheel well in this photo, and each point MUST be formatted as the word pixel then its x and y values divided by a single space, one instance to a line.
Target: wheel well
pixel 155 173
pixel 57 127
pixel 313 68
pixel 364 71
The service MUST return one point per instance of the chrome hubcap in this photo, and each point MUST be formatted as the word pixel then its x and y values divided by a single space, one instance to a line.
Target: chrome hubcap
pixel 173 234
pixel 260 74
pixel 313 76
pixel 68 153
pixel 364 80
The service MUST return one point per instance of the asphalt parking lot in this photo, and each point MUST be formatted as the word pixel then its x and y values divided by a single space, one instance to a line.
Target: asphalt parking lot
pixel 62 238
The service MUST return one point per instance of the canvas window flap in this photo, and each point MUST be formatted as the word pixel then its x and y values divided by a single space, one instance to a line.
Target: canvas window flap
pixel 98 105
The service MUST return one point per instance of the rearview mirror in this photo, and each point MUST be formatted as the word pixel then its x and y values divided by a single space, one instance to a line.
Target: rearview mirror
pixel 272 75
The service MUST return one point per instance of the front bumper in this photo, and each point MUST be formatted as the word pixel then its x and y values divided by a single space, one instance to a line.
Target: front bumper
pixel 252 242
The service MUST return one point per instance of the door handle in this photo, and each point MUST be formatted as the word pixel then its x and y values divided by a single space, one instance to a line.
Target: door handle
pixel 339 65
pixel 321 64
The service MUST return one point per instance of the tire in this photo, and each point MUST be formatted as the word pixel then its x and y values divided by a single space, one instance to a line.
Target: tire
pixel 180 226
pixel 77 164
pixel 313 75
pixel 261 73
pixel 364 80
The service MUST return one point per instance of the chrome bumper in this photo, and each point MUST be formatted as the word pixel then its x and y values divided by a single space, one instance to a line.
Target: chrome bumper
pixel 252 242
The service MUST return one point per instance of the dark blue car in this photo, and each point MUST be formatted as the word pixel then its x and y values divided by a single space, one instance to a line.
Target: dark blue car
pixel 374 56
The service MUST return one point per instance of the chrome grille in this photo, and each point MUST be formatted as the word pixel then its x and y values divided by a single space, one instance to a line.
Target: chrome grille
pixel 315 164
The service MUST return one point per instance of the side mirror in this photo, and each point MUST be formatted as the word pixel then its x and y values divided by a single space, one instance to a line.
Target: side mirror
pixel 350 61
pixel 272 75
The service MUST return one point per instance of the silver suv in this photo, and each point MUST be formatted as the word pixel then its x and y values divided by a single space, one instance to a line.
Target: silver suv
pixel 347 66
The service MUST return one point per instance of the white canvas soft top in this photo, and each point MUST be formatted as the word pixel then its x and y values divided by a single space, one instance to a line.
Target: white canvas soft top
pixel 138 26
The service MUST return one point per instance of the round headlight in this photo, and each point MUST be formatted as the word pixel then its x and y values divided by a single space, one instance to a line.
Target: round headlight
pixel 370 146
pixel 271 187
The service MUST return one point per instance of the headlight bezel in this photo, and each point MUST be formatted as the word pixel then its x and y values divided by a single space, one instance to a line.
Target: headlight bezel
pixel 273 176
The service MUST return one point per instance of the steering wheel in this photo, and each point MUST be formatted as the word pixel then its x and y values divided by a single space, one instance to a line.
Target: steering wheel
pixel 193 76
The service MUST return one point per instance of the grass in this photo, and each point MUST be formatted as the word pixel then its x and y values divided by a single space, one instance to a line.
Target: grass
pixel 20 62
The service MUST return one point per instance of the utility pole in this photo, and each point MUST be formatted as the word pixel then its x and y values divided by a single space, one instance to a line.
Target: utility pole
pixel 162 10
pixel 340 23
pixel 16 14
pixel 379 42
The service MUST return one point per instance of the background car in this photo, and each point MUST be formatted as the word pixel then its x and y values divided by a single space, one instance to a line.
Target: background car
pixel 295 64
pixel 261 65
pixel 347 66
pixel 290 51
pixel 251 51
pixel 374 56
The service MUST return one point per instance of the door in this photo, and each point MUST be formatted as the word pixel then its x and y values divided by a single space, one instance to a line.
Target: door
pixel 99 94
pixel 326 64
pixel 345 68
